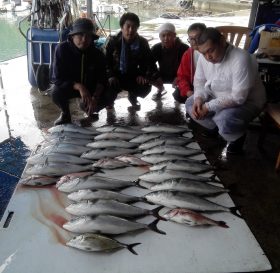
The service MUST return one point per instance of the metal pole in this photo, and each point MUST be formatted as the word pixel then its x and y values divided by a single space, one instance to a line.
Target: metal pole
pixel 89 8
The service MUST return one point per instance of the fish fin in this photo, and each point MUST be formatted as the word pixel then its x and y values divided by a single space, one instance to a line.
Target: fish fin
pixel 235 211
pixel 155 213
pixel 131 246
pixel 153 226
pixel 222 224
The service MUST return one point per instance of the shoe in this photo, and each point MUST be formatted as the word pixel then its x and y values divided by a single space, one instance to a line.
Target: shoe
pixel 210 133
pixel 236 147
pixel 63 119
pixel 158 95
pixel 134 102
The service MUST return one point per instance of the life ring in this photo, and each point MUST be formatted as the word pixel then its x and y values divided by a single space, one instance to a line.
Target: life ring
pixel 43 77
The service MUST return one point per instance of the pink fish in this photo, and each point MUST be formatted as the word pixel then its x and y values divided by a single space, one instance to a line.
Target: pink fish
pixel 191 218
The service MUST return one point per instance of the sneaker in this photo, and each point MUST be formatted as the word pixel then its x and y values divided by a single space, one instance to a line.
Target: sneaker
pixel 236 147
pixel 63 119
pixel 134 102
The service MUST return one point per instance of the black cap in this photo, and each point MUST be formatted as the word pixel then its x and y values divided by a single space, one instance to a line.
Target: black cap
pixel 83 25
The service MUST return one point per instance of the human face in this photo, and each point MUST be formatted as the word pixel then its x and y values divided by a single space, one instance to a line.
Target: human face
pixel 129 31
pixel 82 40
pixel 167 38
pixel 213 53
pixel 192 38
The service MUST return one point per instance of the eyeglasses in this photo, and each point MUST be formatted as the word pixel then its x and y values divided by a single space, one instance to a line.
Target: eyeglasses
pixel 192 41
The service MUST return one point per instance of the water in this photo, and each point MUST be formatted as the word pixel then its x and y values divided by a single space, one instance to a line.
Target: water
pixel 13 44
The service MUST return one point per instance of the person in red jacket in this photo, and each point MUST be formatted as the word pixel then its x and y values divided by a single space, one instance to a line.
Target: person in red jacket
pixel 185 73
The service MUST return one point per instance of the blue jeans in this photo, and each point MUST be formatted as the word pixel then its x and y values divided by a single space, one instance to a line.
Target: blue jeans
pixel 232 122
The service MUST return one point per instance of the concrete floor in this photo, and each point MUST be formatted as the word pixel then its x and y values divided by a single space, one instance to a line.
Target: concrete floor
pixel 255 185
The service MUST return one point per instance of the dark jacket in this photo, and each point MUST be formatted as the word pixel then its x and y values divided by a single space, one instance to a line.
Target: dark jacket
pixel 169 59
pixel 73 65
pixel 139 62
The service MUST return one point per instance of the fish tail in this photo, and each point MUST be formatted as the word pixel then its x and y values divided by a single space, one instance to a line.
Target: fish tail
pixel 155 213
pixel 234 211
pixel 222 224
pixel 131 246
pixel 153 226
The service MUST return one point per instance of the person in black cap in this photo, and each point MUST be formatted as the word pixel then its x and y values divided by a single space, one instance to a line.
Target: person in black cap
pixel 79 71
pixel 130 64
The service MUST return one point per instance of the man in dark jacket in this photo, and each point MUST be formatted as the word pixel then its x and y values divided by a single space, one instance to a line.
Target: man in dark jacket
pixel 129 62
pixel 79 71
pixel 168 54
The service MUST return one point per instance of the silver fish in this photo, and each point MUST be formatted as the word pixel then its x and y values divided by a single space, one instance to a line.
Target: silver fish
pixel 96 243
pixel 56 169
pixel 109 207
pixel 191 218
pixel 65 148
pixel 167 140
pixel 115 135
pixel 189 186
pixel 70 176
pixel 172 149
pixel 109 152
pixel 174 199
pixel 102 194
pixel 70 134
pixel 100 144
pixel 68 140
pixel 144 137
pixel 118 129
pixel 157 158
pixel 107 224
pixel 41 158
pixel 164 128
pixel 93 182
pixel 162 175
pixel 38 180
pixel 132 160
pixel 110 163
pixel 72 128
pixel 188 165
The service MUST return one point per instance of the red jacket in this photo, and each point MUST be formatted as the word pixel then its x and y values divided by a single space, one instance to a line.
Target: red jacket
pixel 185 73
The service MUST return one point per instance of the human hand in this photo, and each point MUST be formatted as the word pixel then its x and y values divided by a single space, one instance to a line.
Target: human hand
pixel 92 106
pixel 141 80
pixel 84 93
pixel 197 107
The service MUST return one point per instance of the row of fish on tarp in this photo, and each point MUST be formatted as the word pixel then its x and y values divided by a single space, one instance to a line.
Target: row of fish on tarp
pixel 76 159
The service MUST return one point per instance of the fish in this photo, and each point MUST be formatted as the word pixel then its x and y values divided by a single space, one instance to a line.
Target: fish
pixel 144 137
pixel 56 135
pixel 162 175
pixel 38 180
pixel 132 160
pixel 96 243
pixel 157 158
pixel 175 199
pixel 110 163
pixel 118 129
pixel 72 128
pixel 56 169
pixel 191 218
pixel 115 135
pixel 111 143
pixel 172 149
pixel 102 194
pixel 109 152
pixel 109 207
pixel 188 165
pixel 167 140
pixel 70 176
pixel 93 182
pixel 41 158
pixel 164 128
pixel 107 224
pixel 65 148
pixel 189 186
pixel 68 140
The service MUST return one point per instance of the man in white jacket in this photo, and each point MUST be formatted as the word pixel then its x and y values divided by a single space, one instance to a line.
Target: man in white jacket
pixel 228 92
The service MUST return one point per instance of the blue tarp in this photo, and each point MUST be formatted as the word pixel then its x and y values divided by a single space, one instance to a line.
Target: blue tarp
pixel 13 155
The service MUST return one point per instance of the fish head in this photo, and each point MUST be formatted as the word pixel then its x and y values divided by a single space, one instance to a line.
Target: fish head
pixel 68 186
pixel 78 195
